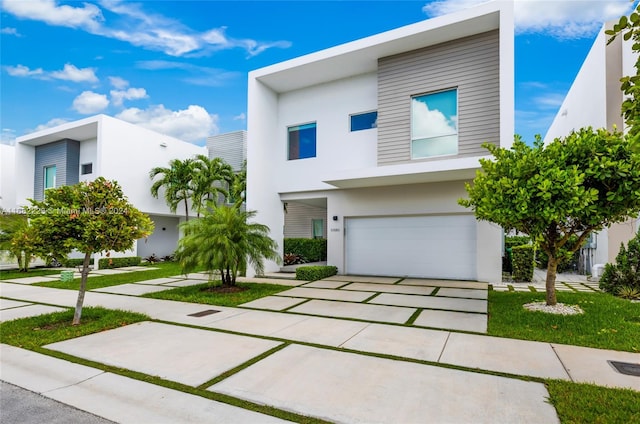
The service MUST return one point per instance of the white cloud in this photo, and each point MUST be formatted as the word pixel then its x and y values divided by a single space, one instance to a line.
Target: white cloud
pixel 8 136
pixel 72 73
pixel 130 23
pixel 119 83
pixel 52 123
pixel 10 31
pixel 24 71
pixel 192 124
pixel 559 18
pixel 240 117
pixel 430 123
pixel 118 96
pixel 68 73
pixel 196 75
pixel 88 16
pixel 89 102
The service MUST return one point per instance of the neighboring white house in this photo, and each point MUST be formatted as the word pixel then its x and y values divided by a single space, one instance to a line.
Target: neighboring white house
pixel 7 170
pixel 103 146
pixel 380 135
pixel 595 100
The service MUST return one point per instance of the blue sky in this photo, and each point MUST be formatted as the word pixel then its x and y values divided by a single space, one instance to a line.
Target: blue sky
pixel 180 67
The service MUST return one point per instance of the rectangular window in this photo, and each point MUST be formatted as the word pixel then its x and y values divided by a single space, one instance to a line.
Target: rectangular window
pixel 318 228
pixel 434 124
pixel 86 168
pixel 302 141
pixel 49 176
pixel 364 121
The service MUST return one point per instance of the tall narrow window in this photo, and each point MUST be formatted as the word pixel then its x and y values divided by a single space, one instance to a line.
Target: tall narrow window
pixel 49 176
pixel 434 124
pixel 302 141
pixel 318 228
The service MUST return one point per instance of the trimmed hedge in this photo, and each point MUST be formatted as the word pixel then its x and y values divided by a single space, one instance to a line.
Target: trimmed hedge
pixel 75 262
pixel 523 258
pixel 625 273
pixel 119 262
pixel 313 250
pixel 513 241
pixel 313 273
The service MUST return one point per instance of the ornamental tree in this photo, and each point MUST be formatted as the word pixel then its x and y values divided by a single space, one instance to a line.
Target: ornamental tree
pixel 88 217
pixel 574 186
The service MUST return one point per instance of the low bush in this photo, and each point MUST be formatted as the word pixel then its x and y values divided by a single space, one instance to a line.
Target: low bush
pixel 513 241
pixel 624 275
pixel 313 273
pixel 293 259
pixel 523 262
pixel 75 262
pixel 119 262
pixel 313 250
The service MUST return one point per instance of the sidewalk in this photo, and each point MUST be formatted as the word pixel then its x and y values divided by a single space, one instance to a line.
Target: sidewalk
pixel 312 366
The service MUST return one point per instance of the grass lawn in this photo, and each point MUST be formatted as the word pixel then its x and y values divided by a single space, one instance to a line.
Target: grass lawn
pixel 33 272
pixel 586 403
pixel 196 294
pixel 34 332
pixel 608 322
pixel 164 269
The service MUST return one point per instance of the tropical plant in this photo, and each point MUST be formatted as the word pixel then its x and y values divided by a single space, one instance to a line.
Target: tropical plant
pixel 238 186
pixel 573 186
pixel 89 217
pixel 626 271
pixel 177 183
pixel 16 239
pixel 210 179
pixel 224 240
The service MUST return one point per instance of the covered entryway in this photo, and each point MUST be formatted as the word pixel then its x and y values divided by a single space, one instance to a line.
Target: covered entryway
pixel 433 246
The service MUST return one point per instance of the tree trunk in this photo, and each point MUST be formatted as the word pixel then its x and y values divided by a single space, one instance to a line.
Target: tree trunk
pixel 83 285
pixel 186 209
pixel 552 267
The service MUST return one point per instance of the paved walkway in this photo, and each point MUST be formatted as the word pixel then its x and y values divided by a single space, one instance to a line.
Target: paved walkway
pixel 312 362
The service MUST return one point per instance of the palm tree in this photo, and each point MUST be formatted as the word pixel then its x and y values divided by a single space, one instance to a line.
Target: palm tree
pixel 211 177
pixel 238 186
pixel 223 240
pixel 177 181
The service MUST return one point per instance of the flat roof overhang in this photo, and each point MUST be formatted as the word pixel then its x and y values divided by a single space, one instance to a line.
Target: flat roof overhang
pixel 85 129
pixel 361 56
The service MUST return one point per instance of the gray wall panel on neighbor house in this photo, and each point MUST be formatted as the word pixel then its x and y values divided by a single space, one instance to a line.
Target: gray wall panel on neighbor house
pixel 232 147
pixel 65 155
pixel 469 64
pixel 298 220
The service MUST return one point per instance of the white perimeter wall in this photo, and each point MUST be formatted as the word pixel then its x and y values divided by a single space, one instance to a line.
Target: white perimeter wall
pixel 7 177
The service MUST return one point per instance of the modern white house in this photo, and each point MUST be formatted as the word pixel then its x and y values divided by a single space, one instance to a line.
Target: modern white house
pixel 7 170
pixel 595 100
pixel 103 146
pixel 379 136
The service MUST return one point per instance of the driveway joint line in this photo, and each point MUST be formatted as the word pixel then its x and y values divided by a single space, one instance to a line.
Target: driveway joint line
pixel 562 363
pixel 444 346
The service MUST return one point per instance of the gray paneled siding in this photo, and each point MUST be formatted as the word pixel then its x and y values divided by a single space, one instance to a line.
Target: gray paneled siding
pixel 298 220
pixel 232 147
pixel 469 64
pixel 65 155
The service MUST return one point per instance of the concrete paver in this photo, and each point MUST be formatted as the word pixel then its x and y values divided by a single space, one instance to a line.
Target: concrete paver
pixel 326 284
pixel 163 280
pixel 464 293
pixel 444 283
pixel 115 397
pixel 261 323
pixel 450 320
pixel 27 311
pixel 31 280
pixel 131 289
pixel 323 331
pixel 390 288
pixel 407 342
pixel 278 281
pixel 363 311
pixel 114 271
pixel 431 302
pixel 326 294
pixel 274 303
pixel 362 279
pixel 185 283
pixel 195 357
pixel 7 303
pixel 520 357
pixel 588 365
pixel 355 388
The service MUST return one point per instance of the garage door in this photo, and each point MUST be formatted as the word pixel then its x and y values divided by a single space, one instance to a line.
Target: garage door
pixel 440 246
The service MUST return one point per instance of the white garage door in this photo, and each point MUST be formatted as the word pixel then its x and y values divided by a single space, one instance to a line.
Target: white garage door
pixel 435 246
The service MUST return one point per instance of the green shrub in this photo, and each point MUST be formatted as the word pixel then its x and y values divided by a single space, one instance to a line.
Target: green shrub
pixel 313 250
pixel 523 260
pixel 567 262
pixel 513 241
pixel 75 262
pixel 626 271
pixel 313 273
pixel 119 262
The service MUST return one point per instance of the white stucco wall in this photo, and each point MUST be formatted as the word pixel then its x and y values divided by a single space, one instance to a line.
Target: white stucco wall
pixel 7 177
pixel 127 153
pixel 89 154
